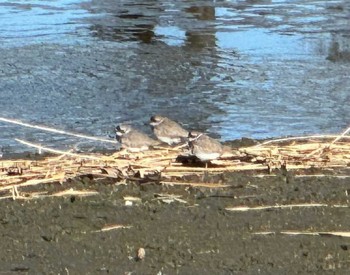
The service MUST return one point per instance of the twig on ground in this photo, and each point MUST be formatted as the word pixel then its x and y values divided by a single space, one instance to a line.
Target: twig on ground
pixel 345 234
pixel 285 206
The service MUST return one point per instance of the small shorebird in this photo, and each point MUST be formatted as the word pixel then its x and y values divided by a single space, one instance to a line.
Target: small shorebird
pixel 167 130
pixel 204 148
pixel 133 140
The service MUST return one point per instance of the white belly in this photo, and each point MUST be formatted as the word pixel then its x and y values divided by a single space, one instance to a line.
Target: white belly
pixel 137 149
pixel 207 156
pixel 169 140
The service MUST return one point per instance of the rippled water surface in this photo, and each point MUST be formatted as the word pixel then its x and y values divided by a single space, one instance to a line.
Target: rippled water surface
pixel 232 68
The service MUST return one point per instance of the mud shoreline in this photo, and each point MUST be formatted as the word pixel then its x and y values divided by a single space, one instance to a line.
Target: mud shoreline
pixel 183 230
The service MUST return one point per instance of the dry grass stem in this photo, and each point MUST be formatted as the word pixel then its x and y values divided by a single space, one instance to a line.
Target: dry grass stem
pixel 62 153
pixel 345 234
pixel 169 198
pixel 133 199
pixel 113 227
pixel 72 192
pixel 328 146
pixel 323 176
pixel 52 130
pixel 195 184
pixel 285 206
pixel 341 136
pixel 299 139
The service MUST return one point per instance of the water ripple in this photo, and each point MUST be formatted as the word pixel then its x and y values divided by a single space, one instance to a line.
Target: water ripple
pixel 232 68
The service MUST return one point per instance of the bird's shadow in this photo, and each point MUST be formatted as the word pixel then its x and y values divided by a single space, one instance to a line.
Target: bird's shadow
pixel 193 161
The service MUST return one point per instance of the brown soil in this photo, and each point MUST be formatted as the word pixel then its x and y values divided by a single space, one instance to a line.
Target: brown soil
pixel 62 235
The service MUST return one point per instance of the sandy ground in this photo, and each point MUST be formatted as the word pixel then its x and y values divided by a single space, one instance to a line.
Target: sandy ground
pixel 194 235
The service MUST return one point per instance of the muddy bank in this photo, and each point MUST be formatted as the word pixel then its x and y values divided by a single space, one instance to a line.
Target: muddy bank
pixel 196 234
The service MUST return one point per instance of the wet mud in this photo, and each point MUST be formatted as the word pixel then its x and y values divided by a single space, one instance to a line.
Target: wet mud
pixel 192 235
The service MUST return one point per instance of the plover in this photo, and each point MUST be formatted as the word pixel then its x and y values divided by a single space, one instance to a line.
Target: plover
pixel 203 147
pixel 132 139
pixel 167 130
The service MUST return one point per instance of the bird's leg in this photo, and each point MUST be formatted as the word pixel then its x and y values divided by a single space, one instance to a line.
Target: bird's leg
pixel 205 174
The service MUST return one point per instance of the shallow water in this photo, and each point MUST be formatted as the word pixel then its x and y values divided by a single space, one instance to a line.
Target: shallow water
pixel 232 68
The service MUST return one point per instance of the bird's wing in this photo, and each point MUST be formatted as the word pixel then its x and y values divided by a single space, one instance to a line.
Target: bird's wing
pixel 174 130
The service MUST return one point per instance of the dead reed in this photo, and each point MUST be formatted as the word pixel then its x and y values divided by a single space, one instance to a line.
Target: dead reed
pixel 162 165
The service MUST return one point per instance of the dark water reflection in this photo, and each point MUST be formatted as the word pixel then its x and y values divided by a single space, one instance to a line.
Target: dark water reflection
pixel 232 68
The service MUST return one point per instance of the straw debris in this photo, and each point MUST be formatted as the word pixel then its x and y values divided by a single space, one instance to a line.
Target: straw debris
pixel 164 165
pixel 344 234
